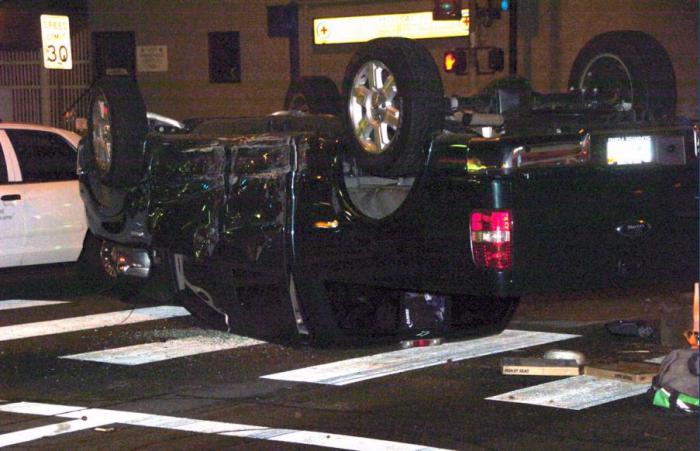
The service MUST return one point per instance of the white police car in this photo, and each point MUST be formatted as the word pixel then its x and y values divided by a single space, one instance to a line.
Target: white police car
pixel 42 218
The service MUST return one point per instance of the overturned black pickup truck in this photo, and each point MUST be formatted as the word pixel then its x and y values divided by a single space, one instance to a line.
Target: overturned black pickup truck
pixel 390 212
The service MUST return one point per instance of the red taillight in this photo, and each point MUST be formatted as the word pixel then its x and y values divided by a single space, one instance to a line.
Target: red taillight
pixel 491 239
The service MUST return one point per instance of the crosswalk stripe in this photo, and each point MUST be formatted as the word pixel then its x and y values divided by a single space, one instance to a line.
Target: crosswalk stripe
pixel 79 323
pixel 51 430
pixel 170 349
pixel 574 393
pixel 658 360
pixel 364 368
pixel 11 304
pixel 104 416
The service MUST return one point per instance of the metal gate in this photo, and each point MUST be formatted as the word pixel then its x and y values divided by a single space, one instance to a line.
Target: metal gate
pixel 42 96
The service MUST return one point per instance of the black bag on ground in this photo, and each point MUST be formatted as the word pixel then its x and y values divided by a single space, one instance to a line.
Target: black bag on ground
pixel 677 385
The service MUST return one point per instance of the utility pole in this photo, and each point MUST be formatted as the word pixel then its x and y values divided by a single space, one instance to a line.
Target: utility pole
pixel 513 37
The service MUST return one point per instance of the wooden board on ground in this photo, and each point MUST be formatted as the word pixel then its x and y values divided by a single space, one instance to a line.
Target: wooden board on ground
pixel 534 366
pixel 635 372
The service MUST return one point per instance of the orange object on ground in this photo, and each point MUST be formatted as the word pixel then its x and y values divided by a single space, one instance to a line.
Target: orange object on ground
pixel 692 335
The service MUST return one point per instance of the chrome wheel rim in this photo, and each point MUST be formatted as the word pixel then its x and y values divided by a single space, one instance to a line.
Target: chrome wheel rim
pixel 102 133
pixel 607 77
pixel 373 107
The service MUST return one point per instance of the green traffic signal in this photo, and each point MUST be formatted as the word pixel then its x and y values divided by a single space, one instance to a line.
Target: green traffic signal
pixel 447 10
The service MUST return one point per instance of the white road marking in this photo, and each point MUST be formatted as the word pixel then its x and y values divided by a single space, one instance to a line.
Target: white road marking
pixel 574 393
pixel 166 350
pixel 79 323
pixel 363 368
pixel 559 324
pixel 51 430
pixel 100 417
pixel 12 304
pixel 658 360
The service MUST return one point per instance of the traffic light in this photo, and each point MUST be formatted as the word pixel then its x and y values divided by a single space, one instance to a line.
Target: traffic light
pixel 447 10
pixel 456 61
pixel 490 12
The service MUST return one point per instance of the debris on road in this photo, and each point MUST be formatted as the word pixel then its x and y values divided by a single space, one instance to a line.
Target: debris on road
pixel 564 354
pixel 627 328
pixel 635 372
pixel 676 385
pixel 534 366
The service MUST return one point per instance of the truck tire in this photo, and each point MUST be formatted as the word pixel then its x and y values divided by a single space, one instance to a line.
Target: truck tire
pixel 117 127
pixel 315 95
pixel 394 104
pixel 630 67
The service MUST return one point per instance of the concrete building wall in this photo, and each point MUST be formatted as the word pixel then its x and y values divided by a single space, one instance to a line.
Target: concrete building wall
pixel 184 90
pixel 551 32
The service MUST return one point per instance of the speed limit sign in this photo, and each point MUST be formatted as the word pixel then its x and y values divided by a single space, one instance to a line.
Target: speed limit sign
pixel 55 38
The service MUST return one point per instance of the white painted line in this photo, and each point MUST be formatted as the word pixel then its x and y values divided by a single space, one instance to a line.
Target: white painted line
pixel 104 416
pixel 79 323
pixel 12 304
pixel 166 350
pixel 363 368
pixel 559 324
pixel 51 430
pixel 574 393
pixel 656 360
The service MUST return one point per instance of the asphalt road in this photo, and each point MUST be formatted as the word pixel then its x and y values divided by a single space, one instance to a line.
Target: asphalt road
pixel 235 393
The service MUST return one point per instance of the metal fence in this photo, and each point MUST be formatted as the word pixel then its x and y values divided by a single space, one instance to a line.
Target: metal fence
pixel 43 96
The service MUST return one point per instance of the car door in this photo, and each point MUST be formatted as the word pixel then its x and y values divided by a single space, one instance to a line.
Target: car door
pixel 12 234
pixel 55 222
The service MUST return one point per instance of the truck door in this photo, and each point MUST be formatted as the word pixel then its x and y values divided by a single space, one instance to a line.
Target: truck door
pixel 255 213
pixel 12 234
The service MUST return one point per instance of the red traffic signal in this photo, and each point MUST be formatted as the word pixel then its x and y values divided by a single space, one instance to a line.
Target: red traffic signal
pixel 447 10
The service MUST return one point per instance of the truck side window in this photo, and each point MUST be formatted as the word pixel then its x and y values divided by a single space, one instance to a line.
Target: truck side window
pixel 43 156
